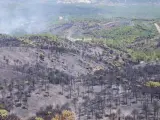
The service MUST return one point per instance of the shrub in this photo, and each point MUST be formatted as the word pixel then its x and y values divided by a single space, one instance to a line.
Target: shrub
pixel 41 56
pixel 12 117
pixel 152 84
pixel 3 113
pixel 38 118
pixel 57 77
pixel 66 115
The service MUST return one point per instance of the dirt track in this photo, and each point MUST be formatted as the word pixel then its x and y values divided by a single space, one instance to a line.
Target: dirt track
pixel 157 26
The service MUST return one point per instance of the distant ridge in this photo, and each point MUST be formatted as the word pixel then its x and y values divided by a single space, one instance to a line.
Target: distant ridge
pixel 108 1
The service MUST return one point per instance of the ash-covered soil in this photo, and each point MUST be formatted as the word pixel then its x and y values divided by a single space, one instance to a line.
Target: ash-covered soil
pixel 94 80
pixel 69 60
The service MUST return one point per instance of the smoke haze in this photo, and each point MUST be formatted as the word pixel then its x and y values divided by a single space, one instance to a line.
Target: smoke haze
pixel 25 16
pixel 34 16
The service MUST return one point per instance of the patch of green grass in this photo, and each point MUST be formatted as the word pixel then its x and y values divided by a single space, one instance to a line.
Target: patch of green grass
pixel 46 36
pixel 1 106
pixel 49 36
pixel 124 35
pixel 145 55
pixel 36 39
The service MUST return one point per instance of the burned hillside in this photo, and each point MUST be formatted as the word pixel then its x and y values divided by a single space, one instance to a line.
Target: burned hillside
pixel 95 80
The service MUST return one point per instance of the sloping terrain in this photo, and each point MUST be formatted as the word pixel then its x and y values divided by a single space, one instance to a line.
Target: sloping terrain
pixel 42 70
pixel 94 78
pixel 81 29
pixel 23 60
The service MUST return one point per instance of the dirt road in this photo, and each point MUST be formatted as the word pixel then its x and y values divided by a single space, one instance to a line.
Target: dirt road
pixel 157 26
